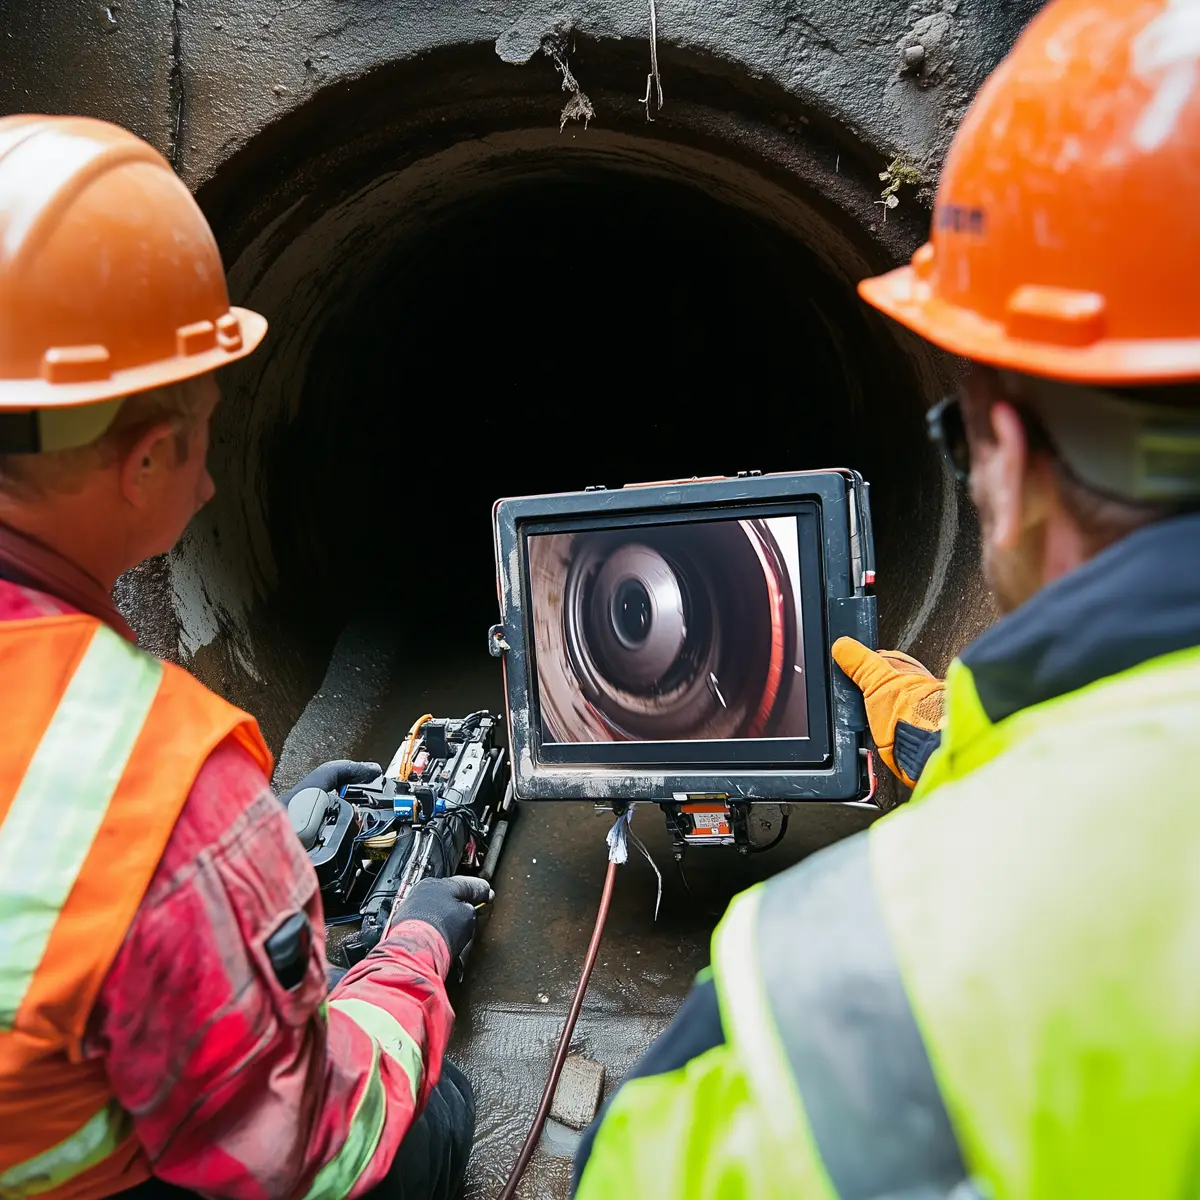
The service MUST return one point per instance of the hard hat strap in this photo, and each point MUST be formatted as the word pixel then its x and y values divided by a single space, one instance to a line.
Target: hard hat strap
pixel 45 430
pixel 1126 448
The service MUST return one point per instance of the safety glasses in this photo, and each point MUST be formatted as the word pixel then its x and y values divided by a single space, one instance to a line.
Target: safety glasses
pixel 948 432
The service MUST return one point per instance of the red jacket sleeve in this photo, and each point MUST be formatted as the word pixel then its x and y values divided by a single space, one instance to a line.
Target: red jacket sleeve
pixel 237 1087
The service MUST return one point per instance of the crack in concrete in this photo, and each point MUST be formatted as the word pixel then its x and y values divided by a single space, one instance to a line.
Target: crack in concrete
pixel 175 85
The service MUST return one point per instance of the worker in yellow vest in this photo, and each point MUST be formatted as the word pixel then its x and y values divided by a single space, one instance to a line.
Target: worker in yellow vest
pixel 993 992
pixel 164 1016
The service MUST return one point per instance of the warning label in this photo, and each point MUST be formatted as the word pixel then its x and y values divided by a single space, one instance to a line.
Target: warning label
pixel 712 824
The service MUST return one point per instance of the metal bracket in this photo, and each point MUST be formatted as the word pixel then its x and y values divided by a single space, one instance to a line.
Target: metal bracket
pixel 497 643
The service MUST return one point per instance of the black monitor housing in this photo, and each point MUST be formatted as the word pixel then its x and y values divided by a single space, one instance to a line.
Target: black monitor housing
pixel 670 642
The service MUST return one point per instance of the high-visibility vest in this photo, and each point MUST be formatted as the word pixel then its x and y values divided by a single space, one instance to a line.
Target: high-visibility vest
pixel 100 744
pixel 992 993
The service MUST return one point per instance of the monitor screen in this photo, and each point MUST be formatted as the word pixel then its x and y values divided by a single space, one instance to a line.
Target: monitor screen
pixel 670 631
pixel 673 638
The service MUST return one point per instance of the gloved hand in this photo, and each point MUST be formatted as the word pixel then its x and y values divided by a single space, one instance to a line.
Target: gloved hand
pixel 333 776
pixel 904 704
pixel 448 905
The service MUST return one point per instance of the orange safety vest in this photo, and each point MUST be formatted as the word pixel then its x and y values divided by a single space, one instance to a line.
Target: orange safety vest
pixel 100 744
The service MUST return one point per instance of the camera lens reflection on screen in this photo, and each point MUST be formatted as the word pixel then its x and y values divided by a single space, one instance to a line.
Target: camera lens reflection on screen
pixel 631 612
pixel 625 619
pixel 669 632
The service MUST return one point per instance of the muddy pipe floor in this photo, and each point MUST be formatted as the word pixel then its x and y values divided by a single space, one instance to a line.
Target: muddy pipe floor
pixel 526 960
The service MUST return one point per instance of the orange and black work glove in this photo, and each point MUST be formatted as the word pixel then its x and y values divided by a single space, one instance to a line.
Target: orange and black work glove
pixel 904 704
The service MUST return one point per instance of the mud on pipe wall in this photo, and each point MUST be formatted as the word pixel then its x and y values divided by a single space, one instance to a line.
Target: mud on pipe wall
pixel 452 282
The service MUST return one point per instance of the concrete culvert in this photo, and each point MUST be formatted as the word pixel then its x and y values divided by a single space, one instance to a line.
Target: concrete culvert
pixel 466 304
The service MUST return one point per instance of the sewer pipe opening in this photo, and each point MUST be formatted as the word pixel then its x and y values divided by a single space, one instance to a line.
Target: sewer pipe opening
pixel 467 303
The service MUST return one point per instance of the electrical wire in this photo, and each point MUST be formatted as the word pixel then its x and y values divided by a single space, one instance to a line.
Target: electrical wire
pixel 564 1042
pixel 410 742
pixel 380 825
pixel 469 817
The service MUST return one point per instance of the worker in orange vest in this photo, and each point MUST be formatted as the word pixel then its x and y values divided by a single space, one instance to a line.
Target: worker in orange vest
pixel 165 1020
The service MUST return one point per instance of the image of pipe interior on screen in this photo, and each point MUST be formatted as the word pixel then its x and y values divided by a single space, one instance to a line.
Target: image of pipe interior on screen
pixel 669 632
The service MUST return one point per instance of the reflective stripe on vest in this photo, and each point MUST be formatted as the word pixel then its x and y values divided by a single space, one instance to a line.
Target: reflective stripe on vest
pixel 101 747
pixel 96 1140
pixel 48 831
pixel 335 1179
pixel 389 1035
pixel 811 953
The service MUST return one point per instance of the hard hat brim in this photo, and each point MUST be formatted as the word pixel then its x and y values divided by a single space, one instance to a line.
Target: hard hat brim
pixel 907 298
pixel 22 395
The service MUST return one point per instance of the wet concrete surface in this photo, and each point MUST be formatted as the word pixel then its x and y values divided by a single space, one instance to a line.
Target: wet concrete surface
pixel 526 960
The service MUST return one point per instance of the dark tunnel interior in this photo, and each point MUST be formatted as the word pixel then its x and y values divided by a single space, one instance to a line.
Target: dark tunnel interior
pixel 599 329
pixel 462 312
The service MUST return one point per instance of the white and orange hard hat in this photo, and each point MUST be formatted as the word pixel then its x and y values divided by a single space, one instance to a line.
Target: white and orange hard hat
pixel 111 281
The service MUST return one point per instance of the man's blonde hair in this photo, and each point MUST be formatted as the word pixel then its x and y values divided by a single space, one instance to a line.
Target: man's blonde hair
pixel 65 470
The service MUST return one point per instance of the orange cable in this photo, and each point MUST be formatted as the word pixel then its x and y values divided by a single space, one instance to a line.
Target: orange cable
pixel 409 743
pixel 564 1042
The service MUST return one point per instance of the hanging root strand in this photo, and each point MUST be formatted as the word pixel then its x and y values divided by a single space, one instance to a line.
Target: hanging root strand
pixel 654 79
pixel 578 107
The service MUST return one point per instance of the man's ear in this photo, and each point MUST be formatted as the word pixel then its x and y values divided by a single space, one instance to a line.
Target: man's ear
pixel 145 463
pixel 1013 479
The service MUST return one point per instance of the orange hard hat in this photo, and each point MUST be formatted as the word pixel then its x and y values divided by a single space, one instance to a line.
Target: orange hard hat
pixel 110 278
pixel 1066 227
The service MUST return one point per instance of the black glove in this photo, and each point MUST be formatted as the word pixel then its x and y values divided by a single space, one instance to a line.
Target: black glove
pixel 448 905
pixel 333 776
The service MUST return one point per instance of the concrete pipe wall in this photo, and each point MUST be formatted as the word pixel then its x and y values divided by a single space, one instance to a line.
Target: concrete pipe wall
pixel 468 301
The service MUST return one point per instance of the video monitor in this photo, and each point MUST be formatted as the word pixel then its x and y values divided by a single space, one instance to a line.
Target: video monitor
pixel 669 632
pixel 673 639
